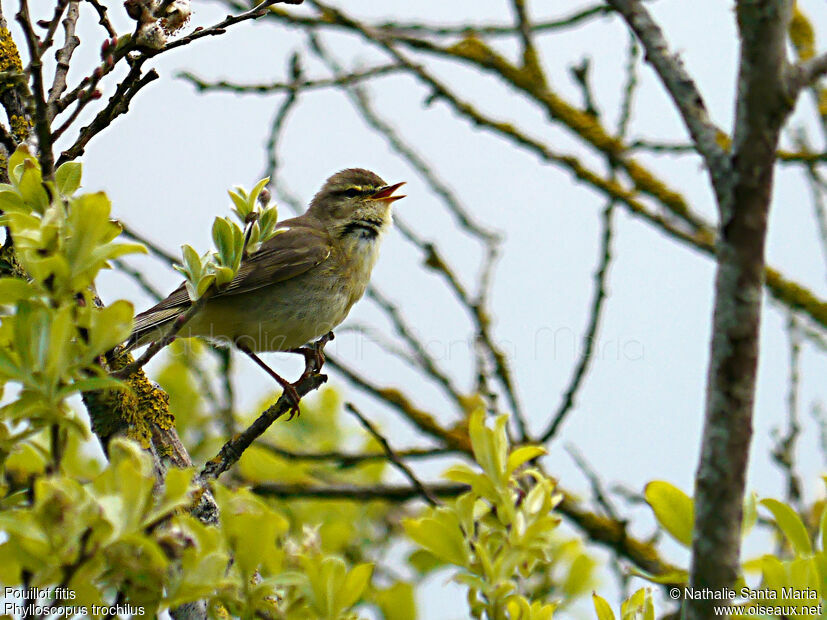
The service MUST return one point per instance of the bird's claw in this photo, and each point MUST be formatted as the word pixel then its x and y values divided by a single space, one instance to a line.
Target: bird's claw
pixel 294 398
pixel 314 357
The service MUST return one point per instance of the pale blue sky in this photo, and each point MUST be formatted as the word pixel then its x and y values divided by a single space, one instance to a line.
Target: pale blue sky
pixel 167 166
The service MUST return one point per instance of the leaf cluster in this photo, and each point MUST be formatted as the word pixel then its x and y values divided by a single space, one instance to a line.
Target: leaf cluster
pixel 232 242
pixel 51 330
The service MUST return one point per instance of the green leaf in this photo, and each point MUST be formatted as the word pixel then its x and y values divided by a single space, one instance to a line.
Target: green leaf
pixel 750 513
pixel 16 159
pixel 521 455
pixel 110 326
pixel 31 187
pixel 177 485
pixel 256 191
pixel 11 201
pixel 790 524
pixel 823 530
pixel 602 608
pixel 227 242
pixel 204 284
pixel 355 583
pixel 673 509
pixel 90 385
pixel 580 577
pixel 223 276
pixel 638 606
pixel 241 205
pixel 480 442
pixel 67 177
pixel 13 290
pixel 440 536
pixel 675 576
pixel 396 602
pixel 424 562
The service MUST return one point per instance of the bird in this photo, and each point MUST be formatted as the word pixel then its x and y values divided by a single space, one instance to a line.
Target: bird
pixel 299 285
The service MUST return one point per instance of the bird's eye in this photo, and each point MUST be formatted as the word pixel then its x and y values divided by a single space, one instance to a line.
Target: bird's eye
pixel 352 192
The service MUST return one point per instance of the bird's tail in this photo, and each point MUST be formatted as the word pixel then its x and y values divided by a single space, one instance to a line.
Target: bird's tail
pixel 150 326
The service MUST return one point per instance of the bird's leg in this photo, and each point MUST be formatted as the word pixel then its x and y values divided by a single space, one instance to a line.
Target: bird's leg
pixel 291 392
pixel 313 355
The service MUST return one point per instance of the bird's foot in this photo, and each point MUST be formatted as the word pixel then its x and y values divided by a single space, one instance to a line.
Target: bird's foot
pixel 289 388
pixel 314 357
pixel 294 397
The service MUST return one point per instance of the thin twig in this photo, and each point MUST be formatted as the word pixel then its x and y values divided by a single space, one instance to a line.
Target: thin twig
pixel 595 313
pixel 63 57
pixel 51 28
pixel 377 492
pixel 280 119
pixel 176 325
pixel 260 10
pixel 601 275
pixel 153 247
pixel 118 105
pixel 600 495
pixel 348 460
pixel 681 88
pixel 427 494
pixel 232 450
pixel 41 117
pixel 783 452
pixel 103 19
pixel 482 30
pixel 139 278
pixel 304 84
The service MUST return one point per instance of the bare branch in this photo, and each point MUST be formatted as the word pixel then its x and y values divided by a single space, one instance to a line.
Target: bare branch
pixel 118 105
pixel 35 69
pixel 303 84
pixel 377 492
pixel 233 449
pixel 348 460
pixel 221 27
pixel 51 27
pixel 681 88
pixel 591 331
pixel 762 107
pixel 392 456
pixel 63 57
pixel 153 247
pixel 103 19
pixel 153 349
pixel 805 74
pixel 783 452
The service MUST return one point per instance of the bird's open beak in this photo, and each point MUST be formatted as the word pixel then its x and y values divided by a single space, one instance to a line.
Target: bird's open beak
pixel 385 193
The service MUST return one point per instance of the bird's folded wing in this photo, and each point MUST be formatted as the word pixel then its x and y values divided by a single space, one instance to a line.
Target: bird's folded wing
pixel 287 255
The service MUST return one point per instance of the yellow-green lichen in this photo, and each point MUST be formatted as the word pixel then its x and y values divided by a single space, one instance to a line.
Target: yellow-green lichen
pixel 134 411
pixel 796 296
pixel 802 35
pixel 20 127
pixel 9 55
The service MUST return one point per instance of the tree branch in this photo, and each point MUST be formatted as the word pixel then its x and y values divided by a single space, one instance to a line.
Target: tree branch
pixel 681 88
pixel 762 106
pixel 233 449
pixel 806 74
pixel 35 69
pixel 392 457
pixel 380 492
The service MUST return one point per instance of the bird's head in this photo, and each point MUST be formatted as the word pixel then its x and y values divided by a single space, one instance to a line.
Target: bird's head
pixel 355 202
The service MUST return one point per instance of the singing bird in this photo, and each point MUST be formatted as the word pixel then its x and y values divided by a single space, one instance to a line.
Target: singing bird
pixel 300 284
